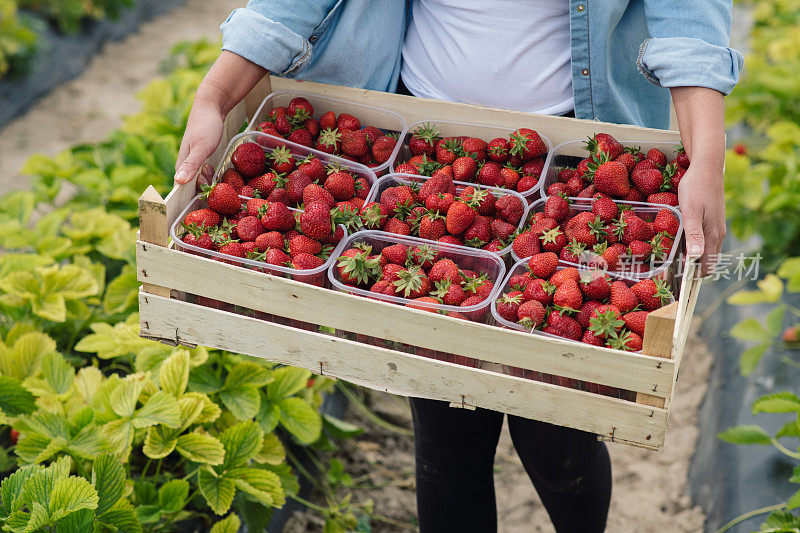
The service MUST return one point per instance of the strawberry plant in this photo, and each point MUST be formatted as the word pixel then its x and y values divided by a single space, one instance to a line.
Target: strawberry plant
pixel 17 39
pixel 69 14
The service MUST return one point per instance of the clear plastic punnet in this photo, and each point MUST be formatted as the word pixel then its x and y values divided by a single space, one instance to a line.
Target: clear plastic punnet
pixel 315 276
pixel 520 267
pixel 383 119
pixel 393 180
pixel 570 153
pixel 270 143
pixel 644 210
pixel 481 131
pixel 479 261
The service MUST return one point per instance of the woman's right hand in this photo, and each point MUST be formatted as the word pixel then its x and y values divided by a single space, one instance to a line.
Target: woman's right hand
pixel 201 138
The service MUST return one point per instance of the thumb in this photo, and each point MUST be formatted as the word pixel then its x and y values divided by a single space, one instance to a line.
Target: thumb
pixel 191 165
pixel 695 241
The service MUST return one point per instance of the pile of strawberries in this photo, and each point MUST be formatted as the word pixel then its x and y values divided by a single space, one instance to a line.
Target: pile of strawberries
pixel 586 306
pixel 514 163
pixel 280 177
pixel 340 135
pixel 613 171
pixel 263 230
pixel 419 274
pixel 434 210
pixel 610 235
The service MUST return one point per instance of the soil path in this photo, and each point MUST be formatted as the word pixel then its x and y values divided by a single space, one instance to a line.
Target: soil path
pixel 90 106
pixel 650 488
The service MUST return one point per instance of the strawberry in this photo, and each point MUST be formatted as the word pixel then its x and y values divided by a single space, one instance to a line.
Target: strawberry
pixel 589 337
pixel 635 321
pixel 275 216
pixel 357 267
pixel 542 265
pixel 371 134
pixel 423 256
pixel 306 261
pixel 508 304
pixel 397 226
pixel 459 217
pixel 283 161
pixel 432 227
pixel 662 244
pixel 439 184
pixel 657 156
pixel 540 290
pixel 396 253
pixel 265 183
pixel 603 143
pixel 389 273
pixel 490 174
pixel 448 292
pixel 553 240
pixel 314 193
pixel 346 121
pixel 232 248
pixel 383 147
pixel 300 109
pixel 595 285
pixel 202 218
pixel 270 239
pixel 533 167
pixel 791 335
pixel 648 181
pixel 530 314
pixel 481 199
pixel 501 229
pixel 249 192
pixel 423 140
pixel 510 178
pixel 557 208
pixel 526 244
pixel 497 150
pixel 314 168
pixel 464 169
pixel 373 215
pixel 563 326
pixel 439 202
pixel 222 198
pixel 329 141
pixel 248 228
pixel 640 250
pixel 632 228
pixel 396 197
pixel 315 221
pixel 328 120
pixel 585 313
pixel 627 159
pixel 478 286
pixel 622 297
pixel 527 183
pixel 302 137
pixel 571 252
pixel 412 283
pixel 527 144
pixel 300 244
pixel 296 184
pixel 612 178
pixel 509 208
pixel 233 178
pixel 626 341
pixel 279 195
pixel 519 282
pixel 606 209
pixel 651 294
pixel 444 269
pixel 668 198
pixel 479 232
pixel 667 222
pixel 276 256
pixel 568 295
pixel 354 143
pixel 558 189
pixel 341 185
pixel 475 147
pixel 682 158
pixel 606 321
pixel 249 159
pixel 568 273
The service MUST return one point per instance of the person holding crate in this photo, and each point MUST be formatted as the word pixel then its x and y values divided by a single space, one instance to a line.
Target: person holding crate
pixel 611 60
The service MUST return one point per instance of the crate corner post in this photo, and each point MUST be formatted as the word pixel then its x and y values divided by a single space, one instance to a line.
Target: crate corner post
pixel 658 342
pixel 152 231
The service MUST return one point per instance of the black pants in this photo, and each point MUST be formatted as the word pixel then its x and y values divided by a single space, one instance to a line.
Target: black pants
pixel 455 451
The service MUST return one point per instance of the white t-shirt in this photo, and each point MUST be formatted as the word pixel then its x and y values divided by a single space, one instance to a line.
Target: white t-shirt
pixel 512 54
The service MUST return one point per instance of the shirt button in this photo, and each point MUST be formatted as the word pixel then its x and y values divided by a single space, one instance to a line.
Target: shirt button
pixel 585 72
pixel 313 39
pixel 581 8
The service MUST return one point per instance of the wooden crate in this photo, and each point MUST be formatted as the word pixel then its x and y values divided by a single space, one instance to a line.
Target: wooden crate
pixel 168 274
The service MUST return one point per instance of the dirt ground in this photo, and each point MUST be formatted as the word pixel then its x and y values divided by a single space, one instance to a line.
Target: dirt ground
pixel 89 107
pixel 649 493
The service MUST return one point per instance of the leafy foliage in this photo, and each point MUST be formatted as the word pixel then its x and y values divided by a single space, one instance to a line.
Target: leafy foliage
pixel 68 14
pixel 17 39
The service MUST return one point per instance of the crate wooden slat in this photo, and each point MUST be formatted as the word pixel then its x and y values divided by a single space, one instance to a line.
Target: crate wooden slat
pixel 167 274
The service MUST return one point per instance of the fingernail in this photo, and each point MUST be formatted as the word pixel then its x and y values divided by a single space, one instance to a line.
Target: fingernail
pixel 695 250
pixel 182 176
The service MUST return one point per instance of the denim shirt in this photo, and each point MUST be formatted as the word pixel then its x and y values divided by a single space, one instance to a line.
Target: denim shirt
pixel 625 53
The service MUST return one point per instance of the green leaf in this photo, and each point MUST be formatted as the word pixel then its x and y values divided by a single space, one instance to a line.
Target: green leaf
pixel 161 408
pixel 780 402
pixel 247 374
pixel 159 442
pixel 119 434
pixel 789 429
pixel 203 379
pixel 217 490
pixel 288 382
pixel 15 399
pixel 108 477
pixel 263 485
pixel 173 377
pixel 125 396
pixel 272 451
pixel 769 291
pixel 775 320
pixel 81 521
pixel 300 419
pixel 122 517
pixel 750 329
pixel 12 487
pixel 172 495
pixel 288 479
pixel 58 372
pixel 122 293
pixel 242 402
pixel 242 442
pixel 229 524
pixel 745 434
pixel 794 501
pixel 201 448
pixel 71 494
pixel 750 358
pixel 269 415
pixel 23 359
pixel 341 429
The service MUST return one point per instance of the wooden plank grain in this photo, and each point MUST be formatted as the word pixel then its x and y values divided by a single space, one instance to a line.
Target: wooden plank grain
pixel 247 288
pixel 153 231
pixel 401 373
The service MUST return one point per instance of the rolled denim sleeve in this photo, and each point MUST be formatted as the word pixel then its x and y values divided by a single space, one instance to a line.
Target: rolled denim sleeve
pixel 689 45
pixel 275 33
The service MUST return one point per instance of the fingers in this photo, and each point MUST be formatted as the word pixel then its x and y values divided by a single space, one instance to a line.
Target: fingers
pixel 205 177
pixel 695 238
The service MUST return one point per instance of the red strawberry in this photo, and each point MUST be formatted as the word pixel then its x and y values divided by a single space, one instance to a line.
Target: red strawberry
pixel 509 208
pixel 527 144
pixel 568 295
pixel 635 321
pixel 444 269
pixel 510 178
pixel 396 253
pixel 423 256
pixel 302 244
pixel 560 276
pixel 223 198
pixel 490 174
pixel 296 184
pixel 464 169
pixel 423 140
pixel 668 198
pixel 606 321
pixel 275 216
pixel 248 228
pixel 202 218
pixel 233 178
pixel 249 159
pixel 432 227
pixel 540 290
pixel 300 109
pixel 682 159
pixel 606 209
pixel 648 181
pixel 439 202
pixel 346 121
pixel 396 197
pixel 279 195
pixel 283 161
pixel 232 248
pixel 354 143
pixel 383 147
pixel 627 341
pixel 482 200
pixel 666 221
pixel 563 326
pixel 572 252
pixel 361 188
pixel 603 143
pixel 622 297
pixel 306 261
pixel 459 217
pixel 497 150
pixel 397 226
pixel 254 206
pixel 527 183
pixel 314 168
pixel 475 147
pixel 479 232
pixel 627 159
pixel 248 191
pixel 533 167
pixel 439 184
pixel 329 141
pixel 412 283
pixel 302 137
pixel 448 292
pixel 590 338
pixel 265 183
pixel 275 256
pixel 530 314
pixel 389 273
pixel 328 120
pixel 585 313
pixel 270 239
pixel 314 193
pixel 373 215
pixel 519 282
pixel 553 240
pixel 640 250
pixel 501 229
pixel 341 185
pixel 651 294
pixel 612 178
pixel 526 244
pixel 657 156
pixel 542 265
pixel 596 286
pixel 557 208
pixel 508 304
